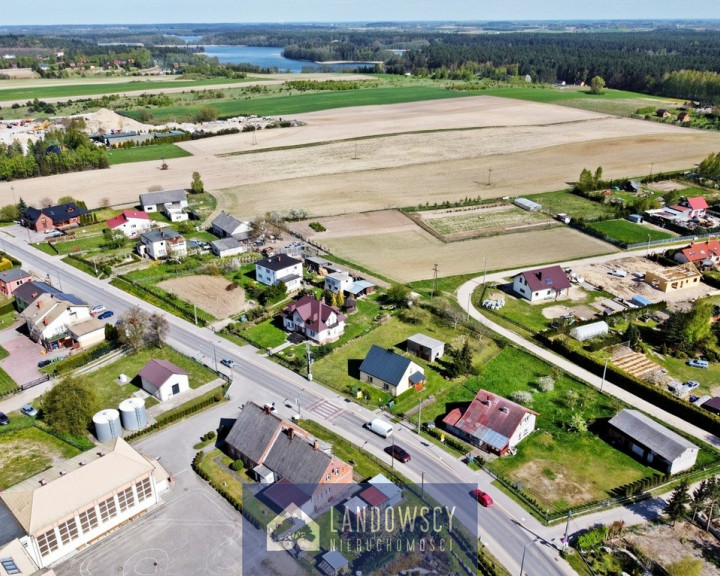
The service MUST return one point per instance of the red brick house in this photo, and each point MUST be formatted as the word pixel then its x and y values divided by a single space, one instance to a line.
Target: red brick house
pixel 53 217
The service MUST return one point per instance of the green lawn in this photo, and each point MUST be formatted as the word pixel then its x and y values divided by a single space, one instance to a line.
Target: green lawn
pixel 145 153
pixel 629 232
pixel 267 334
pixel 26 450
pixel 576 206
pixel 110 393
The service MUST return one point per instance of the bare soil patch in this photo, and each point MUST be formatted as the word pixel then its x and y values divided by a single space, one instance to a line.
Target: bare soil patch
pixel 667 186
pixel 667 544
pixel 20 455
pixel 208 293
pixel 548 477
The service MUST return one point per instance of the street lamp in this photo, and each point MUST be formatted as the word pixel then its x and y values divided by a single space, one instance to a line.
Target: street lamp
pixel 602 383
pixel 522 562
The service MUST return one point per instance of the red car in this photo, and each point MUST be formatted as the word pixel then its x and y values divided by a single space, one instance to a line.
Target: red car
pixel 398 453
pixel 483 497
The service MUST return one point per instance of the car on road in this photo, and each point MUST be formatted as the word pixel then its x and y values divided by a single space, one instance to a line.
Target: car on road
pixel 105 315
pixel 691 385
pixel 29 410
pixel 270 407
pixel 483 497
pixel 4 420
pixel 695 363
pixel 398 453
pixel 228 362
pixel 44 363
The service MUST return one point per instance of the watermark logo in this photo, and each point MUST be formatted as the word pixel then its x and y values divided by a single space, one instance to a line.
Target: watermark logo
pixel 292 528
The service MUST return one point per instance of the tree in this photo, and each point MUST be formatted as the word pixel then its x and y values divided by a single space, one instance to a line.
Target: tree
pixel 632 336
pixel 22 206
pixel 197 185
pixel 397 294
pixel 461 360
pixel 69 406
pixel 577 422
pixel 158 329
pixel 9 213
pixel 597 85
pixel 206 114
pixel 686 566
pixel 66 200
pixel 134 328
pixel 678 502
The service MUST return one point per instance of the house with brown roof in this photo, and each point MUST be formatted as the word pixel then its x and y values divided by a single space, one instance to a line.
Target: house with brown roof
pixel 275 449
pixel 49 317
pixel 541 283
pixel 62 216
pixel 81 499
pixel 491 422
pixel 315 319
pixel 163 379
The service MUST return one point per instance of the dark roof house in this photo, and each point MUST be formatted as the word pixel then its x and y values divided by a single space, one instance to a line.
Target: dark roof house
pixel 389 371
pixel 541 283
pixel 61 215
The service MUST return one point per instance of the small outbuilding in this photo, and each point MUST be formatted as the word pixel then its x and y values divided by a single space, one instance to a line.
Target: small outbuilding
pixel 332 563
pixel 526 204
pixel 425 347
pixel 587 331
pixel 636 218
pixel 163 379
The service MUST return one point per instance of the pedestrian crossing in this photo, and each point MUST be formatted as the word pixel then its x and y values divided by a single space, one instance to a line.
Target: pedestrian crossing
pixel 326 410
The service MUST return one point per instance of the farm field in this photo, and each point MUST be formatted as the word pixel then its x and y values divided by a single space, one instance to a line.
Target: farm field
pixel 563 201
pixel 629 232
pixel 409 255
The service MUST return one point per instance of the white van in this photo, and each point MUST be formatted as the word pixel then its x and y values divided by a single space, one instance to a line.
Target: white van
pixel 380 427
pixel 619 272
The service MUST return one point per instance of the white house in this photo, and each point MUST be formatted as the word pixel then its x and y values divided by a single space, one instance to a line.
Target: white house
pixel 77 501
pixel 130 222
pixel 541 283
pixel 338 282
pixel 154 201
pixel 390 371
pixel 48 319
pixel 318 321
pixel 226 226
pixel 162 243
pixel 280 268
pixel 87 332
pixel 163 379
pixel 227 247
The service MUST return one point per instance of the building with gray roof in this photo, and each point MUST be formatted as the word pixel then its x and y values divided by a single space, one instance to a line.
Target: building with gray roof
pixel 225 225
pixel 425 347
pixel 651 442
pixel 152 200
pixel 385 369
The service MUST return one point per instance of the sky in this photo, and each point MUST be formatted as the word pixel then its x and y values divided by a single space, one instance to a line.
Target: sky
pixel 28 12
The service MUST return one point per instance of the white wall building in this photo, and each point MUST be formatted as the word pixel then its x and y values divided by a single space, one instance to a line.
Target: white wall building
pixel 280 268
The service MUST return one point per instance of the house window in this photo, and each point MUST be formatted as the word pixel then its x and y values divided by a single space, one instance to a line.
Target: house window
pixel 68 531
pixel 107 509
pixel 126 499
pixel 327 478
pixel 88 520
pixel 144 489
pixel 47 542
pixel 370 379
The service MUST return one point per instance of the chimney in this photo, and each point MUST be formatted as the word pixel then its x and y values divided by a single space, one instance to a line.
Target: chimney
pixel 291 433
pixel 42 482
pixel 267 409
pixel 39 304
pixel 316 445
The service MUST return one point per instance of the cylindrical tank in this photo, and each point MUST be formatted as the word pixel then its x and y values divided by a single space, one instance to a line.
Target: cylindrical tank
pixel 133 414
pixel 107 425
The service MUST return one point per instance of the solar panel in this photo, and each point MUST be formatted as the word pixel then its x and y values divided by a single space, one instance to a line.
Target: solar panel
pixel 9 565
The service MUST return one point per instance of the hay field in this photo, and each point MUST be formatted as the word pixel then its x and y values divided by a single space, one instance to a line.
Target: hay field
pixel 408 255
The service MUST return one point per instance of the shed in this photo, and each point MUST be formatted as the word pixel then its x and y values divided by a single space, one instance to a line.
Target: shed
pixel 637 218
pixel 640 300
pixel 332 563
pixel 426 347
pixel 587 331
pixel 163 379
pixel 526 204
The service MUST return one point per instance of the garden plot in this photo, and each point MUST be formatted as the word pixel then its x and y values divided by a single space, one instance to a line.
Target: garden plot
pixel 456 224
pixel 209 293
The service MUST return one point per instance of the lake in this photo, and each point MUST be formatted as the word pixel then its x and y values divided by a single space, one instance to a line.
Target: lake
pixel 266 57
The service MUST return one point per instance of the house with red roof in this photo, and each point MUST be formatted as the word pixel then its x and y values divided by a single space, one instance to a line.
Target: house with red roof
pixel 163 379
pixel 130 222
pixel 698 206
pixel 694 208
pixel 541 283
pixel 491 422
pixel 702 254
pixel 315 319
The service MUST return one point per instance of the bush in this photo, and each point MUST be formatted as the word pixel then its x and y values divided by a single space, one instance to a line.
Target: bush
pixel 237 466
pixel 546 383
pixel 521 397
pixel 317 226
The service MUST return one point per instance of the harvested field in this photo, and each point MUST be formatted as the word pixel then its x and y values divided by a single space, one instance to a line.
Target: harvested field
pixel 208 293
pixel 409 255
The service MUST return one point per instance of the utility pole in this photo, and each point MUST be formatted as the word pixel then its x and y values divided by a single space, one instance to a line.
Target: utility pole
pixel 567 530
pixel 310 360
pixel 195 313
pixel 435 271
pixel 489 173
pixel 484 270
pixel 604 371
pixel 419 412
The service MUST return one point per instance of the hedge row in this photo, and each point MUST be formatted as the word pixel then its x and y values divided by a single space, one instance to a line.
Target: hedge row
pixel 164 420
pixel 197 466
pixel 640 486
pixel 7 307
pixel 84 358
pixel 165 299
pixel 657 396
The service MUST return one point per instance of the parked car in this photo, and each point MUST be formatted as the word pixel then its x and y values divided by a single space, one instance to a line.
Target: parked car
pixel 44 363
pixel 698 363
pixel 483 497
pixel 691 385
pixel 270 406
pixel 398 453
pixel 29 410
pixel 97 309
pixel 105 315
pixel 4 420
pixel 228 362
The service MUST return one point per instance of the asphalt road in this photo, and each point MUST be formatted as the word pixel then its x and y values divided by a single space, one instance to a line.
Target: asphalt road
pixel 503 528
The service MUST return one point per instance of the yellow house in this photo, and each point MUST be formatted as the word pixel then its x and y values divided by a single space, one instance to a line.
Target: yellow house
pixel 677 278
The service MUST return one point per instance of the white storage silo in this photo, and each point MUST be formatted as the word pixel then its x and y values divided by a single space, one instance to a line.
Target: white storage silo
pixel 107 425
pixel 133 414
